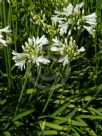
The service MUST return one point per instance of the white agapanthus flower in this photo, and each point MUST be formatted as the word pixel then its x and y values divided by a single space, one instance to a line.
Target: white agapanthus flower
pixel 66 50
pixel 90 29
pixel 82 49
pixel 32 52
pixel 64 60
pixel 90 22
pixel 78 7
pixel 20 59
pixel 68 11
pixel 39 60
pixel 2 41
pixel 4 30
pixel 63 28
pixel 74 18
pixel 67 18
pixel 56 19
pixel 90 19
pixel 40 41
pixel 57 46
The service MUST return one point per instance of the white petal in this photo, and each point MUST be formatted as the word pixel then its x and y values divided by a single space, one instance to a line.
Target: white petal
pixel 6 30
pixel 42 41
pixel 3 42
pixel 90 29
pixel 64 60
pixel 90 19
pixel 42 60
pixel 82 49
pixel 67 11
pixel 78 6
pixel 63 28
pixel 56 18
pixel 54 49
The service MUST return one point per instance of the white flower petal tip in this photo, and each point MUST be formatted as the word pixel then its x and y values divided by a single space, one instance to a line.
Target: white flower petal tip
pixel 67 11
pixel 90 19
pixel 90 29
pixel 82 49
pixel 3 42
pixel 6 30
pixel 40 41
pixel 64 60
pixel 42 60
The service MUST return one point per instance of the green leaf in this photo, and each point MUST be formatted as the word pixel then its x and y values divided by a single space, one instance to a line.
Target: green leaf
pixel 60 110
pixel 53 126
pixel 30 91
pixel 23 114
pixel 7 133
pixel 52 132
pixel 90 117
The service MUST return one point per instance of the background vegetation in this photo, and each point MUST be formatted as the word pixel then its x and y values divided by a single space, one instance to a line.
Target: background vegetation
pixel 75 108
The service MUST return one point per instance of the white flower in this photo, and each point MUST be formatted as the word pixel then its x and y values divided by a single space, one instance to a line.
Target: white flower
pixel 39 60
pixel 90 29
pixel 20 64
pixel 77 7
pixel 40 41
pixel 82 49
pixel 20 59
pixel 56 42
pixel 63 28
pixel 32 52
pixel 64 60
pixel 90 19
pixel 68 11
pixel 6 30
pixel 58 12
pixel 54 49
pixel 56 19
pixel 2 41
pixel 42 60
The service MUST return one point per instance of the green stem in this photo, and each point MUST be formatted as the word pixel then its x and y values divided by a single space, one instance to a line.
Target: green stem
pixel 39 71
pixel 23 89
pixel 50 95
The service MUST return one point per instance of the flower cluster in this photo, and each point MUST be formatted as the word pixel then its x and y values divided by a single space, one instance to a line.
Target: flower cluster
pixel 63 46
pixel 7 31
pixel 66 50
pixel 73 18
pixel 32 52
pixel 40 20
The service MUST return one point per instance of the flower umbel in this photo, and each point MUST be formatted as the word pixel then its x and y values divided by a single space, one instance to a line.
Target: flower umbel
pixel 32 52
pixel 74 18
pixel 66 50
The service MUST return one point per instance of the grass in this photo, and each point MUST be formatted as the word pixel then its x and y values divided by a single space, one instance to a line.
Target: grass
pixel 36 107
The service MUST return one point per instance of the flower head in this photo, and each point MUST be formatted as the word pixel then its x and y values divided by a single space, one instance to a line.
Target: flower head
pixel 32 52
